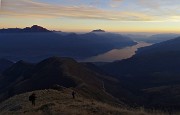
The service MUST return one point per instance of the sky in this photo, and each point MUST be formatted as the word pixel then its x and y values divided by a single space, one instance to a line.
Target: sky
pixel 86 15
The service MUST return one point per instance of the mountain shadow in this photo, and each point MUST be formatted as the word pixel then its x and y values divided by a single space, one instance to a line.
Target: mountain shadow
pixel 153 73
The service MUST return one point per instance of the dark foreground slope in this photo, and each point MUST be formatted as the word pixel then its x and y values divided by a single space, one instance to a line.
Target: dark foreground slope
pixel 66 72
pixel 54 102
pixel 153 73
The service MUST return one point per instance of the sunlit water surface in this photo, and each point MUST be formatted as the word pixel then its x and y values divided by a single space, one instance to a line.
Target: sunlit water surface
pixel 117 54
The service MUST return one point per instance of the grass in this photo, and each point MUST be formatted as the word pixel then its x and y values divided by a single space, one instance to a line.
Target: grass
pixel 53 102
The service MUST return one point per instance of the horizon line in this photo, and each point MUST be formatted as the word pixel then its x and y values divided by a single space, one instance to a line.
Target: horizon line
pixel 90 30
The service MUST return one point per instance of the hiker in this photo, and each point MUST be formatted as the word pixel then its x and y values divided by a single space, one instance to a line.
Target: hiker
pixel 73 94
pixel 32 98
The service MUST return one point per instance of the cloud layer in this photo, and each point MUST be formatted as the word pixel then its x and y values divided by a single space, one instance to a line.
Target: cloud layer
pixel 120 10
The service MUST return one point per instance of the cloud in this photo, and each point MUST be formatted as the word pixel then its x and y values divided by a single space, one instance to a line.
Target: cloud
pixel 35 9
pixel 115 3
pixel 117 0
pixel 138 10
pixel 149 3
pixel 163 9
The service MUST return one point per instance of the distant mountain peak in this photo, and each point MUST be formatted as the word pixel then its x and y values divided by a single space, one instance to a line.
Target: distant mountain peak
pixel 38 27
pixel 98 30
pixel 34 28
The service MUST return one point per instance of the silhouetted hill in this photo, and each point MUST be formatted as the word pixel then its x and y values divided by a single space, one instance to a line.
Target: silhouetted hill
pixel 167 46
pixel 66 72
pixel 18 69
pixel 13 75
pixel 34 28
pixel 152 72
pixel 35 46
pixel 4 64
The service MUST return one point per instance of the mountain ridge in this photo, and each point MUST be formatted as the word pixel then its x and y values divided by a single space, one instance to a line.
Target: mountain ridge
pixel 34 28
pixel 35 46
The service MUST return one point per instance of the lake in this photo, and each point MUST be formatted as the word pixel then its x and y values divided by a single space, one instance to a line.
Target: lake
pixel 117 54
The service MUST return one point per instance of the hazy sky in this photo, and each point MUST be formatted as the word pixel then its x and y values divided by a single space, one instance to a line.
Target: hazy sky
pixel 85 15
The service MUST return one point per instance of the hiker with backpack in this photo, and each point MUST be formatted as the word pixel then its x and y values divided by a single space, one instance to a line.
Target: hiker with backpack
pixel 32 98
pixel 73 94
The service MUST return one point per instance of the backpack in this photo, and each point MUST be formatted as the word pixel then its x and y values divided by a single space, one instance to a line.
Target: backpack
pixel 30 98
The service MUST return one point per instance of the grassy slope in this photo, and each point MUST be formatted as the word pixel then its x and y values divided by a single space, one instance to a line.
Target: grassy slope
pixel 53 102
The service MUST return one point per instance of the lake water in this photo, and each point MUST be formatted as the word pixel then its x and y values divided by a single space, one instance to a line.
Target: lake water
pixel 117 54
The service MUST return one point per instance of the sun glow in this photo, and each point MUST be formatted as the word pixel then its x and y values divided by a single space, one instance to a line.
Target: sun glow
pixel 110 15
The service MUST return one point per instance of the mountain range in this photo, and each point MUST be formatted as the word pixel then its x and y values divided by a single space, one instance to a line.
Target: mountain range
pixel 34 28
pixel 150 78
pixel 36 43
